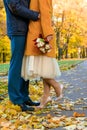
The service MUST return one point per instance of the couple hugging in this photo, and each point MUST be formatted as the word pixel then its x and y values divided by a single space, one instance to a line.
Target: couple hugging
pixel 26 21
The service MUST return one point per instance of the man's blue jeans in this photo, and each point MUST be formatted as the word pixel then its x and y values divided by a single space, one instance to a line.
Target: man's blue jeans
pixel 17 87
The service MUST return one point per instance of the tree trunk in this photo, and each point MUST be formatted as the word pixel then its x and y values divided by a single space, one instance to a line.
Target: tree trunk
pixel 4 57
pixel 86 52
pixel 58 43
pixel 66 52
pixel 83 52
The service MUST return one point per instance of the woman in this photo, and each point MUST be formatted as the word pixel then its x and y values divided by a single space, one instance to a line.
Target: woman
pixel 38 64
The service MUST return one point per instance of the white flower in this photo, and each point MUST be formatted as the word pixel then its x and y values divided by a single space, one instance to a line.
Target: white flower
pixel 48 50
pixel 38 44
pixel 47 46
pixel 42 44
pixel 42 50
pixel 38 40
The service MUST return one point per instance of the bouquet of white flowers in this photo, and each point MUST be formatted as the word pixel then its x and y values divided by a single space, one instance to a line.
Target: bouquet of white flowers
pixel 43 45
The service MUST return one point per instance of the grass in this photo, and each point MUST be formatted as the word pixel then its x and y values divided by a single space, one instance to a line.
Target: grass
pixel 4 68
pixel 3 87
pixel 68 64
pixel 64 65
pixel 3 90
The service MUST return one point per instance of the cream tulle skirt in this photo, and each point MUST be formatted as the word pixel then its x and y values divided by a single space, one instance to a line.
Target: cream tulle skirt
pixel 39 66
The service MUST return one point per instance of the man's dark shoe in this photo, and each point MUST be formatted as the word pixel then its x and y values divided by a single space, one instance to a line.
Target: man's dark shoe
pixel 31 103
pixel 24 107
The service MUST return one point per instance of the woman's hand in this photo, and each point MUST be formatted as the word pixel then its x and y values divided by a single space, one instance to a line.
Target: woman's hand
pixel 49 38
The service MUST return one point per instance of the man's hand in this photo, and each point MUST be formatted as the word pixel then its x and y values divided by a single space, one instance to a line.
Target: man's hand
pixel 38 16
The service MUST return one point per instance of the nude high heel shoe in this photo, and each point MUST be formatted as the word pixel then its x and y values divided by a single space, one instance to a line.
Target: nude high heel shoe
pixel 49 100
pixel 61 94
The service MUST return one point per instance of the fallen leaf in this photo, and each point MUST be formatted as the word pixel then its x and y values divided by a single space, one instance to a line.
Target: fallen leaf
pixel 76 114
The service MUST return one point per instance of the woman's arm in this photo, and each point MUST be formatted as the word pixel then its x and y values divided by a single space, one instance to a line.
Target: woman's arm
pixel 18 9
pixel 45 16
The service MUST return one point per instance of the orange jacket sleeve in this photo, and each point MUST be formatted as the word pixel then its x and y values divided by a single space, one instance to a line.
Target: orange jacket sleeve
pixel 45 7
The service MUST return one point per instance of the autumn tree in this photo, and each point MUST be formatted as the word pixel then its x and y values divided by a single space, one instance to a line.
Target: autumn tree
pixel 4 41
pixel 70 26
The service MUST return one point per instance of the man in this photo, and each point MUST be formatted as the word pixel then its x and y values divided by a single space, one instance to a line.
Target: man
pixel 18 16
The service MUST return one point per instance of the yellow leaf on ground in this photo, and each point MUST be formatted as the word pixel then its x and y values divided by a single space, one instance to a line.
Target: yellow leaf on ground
pixel 76 114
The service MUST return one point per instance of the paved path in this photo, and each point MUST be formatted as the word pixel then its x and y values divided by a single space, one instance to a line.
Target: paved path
pixel 75 91
pixel 76 81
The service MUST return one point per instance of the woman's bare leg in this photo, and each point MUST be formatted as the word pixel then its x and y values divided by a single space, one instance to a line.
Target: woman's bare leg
pixel 46 94
pixel 55 85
